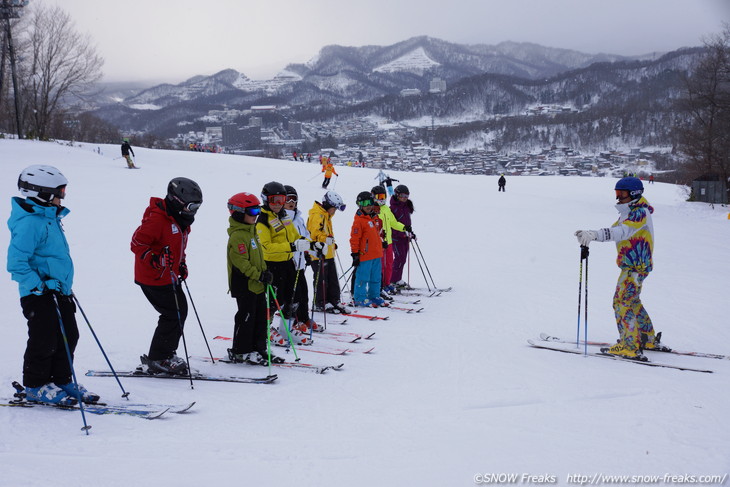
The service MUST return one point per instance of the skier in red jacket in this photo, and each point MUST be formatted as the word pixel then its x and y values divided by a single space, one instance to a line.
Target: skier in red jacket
pixel 159 268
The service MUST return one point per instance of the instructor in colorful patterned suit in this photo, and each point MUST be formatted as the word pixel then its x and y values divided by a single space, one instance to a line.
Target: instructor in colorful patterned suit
pixel 633 233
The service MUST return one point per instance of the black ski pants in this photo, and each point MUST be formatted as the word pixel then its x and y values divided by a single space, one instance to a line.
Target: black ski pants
pixel 329 291
pixel 301 296
pixel 170 324
pixel 45 358
pixel 249 324
pixel 284 276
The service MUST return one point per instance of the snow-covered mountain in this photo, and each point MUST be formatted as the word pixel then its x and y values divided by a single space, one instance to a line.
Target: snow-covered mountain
pixel 362 73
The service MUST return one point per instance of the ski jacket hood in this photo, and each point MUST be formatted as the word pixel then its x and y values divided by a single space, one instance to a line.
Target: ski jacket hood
pixel 38 249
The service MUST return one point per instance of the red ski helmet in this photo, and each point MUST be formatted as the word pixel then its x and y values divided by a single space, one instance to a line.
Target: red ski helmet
pixel 241 201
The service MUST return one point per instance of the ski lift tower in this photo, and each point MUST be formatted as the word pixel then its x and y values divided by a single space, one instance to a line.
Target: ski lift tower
pixel 10 9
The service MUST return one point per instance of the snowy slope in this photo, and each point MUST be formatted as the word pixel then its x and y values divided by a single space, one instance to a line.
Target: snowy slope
pixel 416 60
pixel 448 394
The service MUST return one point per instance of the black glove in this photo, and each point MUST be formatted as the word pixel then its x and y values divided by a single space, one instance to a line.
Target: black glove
pixel 355 259
pixel 266 277
pixel 385 244
pixel 408 228
pixel 307 259
pixel 158 261
pixel 583 252
pixel 183 271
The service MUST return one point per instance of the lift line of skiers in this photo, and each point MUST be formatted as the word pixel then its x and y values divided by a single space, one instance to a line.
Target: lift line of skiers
pixel 269 248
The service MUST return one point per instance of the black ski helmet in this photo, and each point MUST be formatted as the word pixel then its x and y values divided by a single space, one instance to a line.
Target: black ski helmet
pixel 378 190
pixel 379 195
pixel 290 190
pixel 365 198
pixel 184 195
pixel 402 189
pixel 272 188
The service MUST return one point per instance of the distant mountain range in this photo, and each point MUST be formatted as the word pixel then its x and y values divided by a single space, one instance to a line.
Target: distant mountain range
pixel 481 81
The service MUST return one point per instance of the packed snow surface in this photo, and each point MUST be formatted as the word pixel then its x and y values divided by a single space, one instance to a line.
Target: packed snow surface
pixel 449 397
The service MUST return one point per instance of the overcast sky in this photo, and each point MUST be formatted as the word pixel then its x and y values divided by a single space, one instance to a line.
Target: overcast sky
pixel 172 40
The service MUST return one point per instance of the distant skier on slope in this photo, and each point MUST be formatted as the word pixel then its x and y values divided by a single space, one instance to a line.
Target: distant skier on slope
pixel 126 149
pixel 39 260
pixel 633 233
pixel 159 267
pixel 328 169
pixel 501 183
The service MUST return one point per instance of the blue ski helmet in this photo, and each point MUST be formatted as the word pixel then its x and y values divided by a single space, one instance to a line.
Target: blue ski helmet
pixel 633 185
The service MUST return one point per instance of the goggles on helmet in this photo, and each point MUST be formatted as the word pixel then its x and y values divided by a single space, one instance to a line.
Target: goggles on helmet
pixel 402 195
pixel 250 210
pixel 380 196
pixel 291 198
pixel 365 203
pixel 276 199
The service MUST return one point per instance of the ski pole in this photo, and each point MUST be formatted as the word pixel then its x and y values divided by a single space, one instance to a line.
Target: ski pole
pixel 173 278
pixel 418 259
pixel 86 427
pixel 324 293
pixel 314 176
pixel 268 327
pixel 585 319
pixel 288 332
pixel 125 394
pixel 418 247
pixel 580 290
pixel 199 322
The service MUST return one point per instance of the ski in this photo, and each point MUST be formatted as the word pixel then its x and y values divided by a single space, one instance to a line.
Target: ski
pixel 145 411
pixel 203 377
pixel 414 292
pixel 367 317
pixel 317 369
pixel 407 310
pixel 406 301
pixel 548 338
pixel 307 348
pixel 549 346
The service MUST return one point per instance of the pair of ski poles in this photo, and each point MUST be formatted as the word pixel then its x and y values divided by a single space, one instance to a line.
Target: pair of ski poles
pixel 422 263
pixel 583 256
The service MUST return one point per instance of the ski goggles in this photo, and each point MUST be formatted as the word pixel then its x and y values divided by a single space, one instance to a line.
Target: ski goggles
pixel 276 199
pixel 250 210
pixel 292 198
pixel 380 196
pixel 366 203
pixel 193 206
pixel 402 195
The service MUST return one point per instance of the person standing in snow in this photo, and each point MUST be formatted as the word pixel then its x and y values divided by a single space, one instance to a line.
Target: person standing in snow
pixel 319 225
pixel 159 246
pixel 328 169
pixel 40 261
pixel 247 281
pixel 301 259
pixel 502 182
pixel 402 208
pixel 126 149
pixel 280 239
pixel 390 223
pixel 366 250
pixel 633 233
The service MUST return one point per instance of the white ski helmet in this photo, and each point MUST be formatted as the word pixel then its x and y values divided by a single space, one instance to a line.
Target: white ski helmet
pixel 42 182
pixel 334 200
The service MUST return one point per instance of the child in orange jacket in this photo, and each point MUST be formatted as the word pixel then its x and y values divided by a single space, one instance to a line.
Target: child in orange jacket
pixel 367 250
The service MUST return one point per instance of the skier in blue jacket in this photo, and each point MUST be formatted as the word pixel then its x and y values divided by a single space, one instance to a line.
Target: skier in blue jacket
pixel 39 260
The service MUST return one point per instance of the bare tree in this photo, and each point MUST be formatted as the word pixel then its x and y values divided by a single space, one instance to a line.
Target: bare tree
pixel 705 137
pixel 61 64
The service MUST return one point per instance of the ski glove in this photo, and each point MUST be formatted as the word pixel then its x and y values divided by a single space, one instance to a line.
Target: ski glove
pixel 301 245
pixel 52 285
pixel 183 270
pixel 585 237
pixel 158 262
pixel 408 228
pixel 355 259
pixel 266 277
pixel 385 244
pixel 329 241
